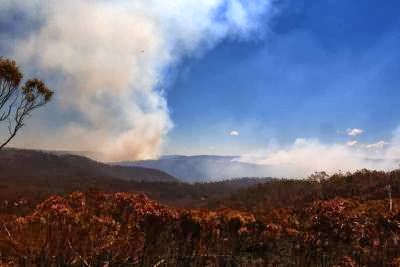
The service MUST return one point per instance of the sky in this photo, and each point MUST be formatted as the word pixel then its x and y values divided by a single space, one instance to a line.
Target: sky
pixel 326 67
pixel 301 85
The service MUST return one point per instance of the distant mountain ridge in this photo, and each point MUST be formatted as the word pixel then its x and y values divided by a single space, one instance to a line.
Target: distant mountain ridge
pixel 202 168
pixel 36 174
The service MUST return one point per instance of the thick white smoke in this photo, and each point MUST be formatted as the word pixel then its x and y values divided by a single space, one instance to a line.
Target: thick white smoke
pixel 306 156
pixel 110 57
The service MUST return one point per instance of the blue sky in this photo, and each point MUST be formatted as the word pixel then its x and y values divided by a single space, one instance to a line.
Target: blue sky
pixel 322 67
pixel 278 82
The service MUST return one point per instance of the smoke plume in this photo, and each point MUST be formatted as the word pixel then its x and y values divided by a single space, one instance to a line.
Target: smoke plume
pixel 107 61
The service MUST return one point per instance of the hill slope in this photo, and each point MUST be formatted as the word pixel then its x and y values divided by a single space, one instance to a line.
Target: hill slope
pixel 33 165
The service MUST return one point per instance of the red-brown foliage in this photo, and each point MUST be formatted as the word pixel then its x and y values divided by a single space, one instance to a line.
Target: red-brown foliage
pixel 119 229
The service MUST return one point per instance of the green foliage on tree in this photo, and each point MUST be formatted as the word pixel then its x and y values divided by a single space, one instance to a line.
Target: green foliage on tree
pixel 18 101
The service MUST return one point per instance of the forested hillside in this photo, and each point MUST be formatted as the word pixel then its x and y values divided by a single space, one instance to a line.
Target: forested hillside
pixel 22 164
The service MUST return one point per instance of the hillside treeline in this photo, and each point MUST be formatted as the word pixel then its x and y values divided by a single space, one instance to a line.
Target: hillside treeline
pixel 287 193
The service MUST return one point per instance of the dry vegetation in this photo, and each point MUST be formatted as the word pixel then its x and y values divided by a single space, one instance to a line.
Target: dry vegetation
pixel 341 221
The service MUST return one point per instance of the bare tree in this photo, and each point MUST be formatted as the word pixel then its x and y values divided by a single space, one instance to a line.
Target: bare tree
pixel 17 102
pixel 389 191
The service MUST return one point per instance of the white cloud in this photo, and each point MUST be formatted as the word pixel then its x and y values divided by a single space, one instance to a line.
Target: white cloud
pixel 234 133
pixel 110 56
pixel 354 132
pixel 378 145
pixel 352 143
